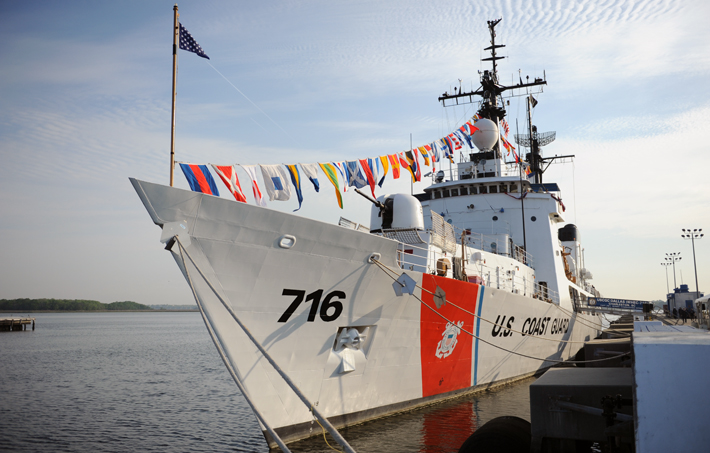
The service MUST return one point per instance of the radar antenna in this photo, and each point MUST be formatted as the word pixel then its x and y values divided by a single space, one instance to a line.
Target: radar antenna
pixel 540 138
pixel 534 140
pixel 490 89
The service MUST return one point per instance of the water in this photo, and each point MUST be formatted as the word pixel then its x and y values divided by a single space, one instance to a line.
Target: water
pixel 154 382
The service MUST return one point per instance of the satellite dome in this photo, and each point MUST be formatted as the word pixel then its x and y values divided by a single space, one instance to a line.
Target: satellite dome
pixel 487 134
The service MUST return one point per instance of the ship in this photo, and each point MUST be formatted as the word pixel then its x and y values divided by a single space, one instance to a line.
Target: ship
pixel 477 282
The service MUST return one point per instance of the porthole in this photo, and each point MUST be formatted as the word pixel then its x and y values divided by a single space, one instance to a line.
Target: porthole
pixel 533 218
pixel 495 217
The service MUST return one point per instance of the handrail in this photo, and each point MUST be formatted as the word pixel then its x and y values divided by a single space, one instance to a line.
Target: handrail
pixel 423 259
pixel 507 169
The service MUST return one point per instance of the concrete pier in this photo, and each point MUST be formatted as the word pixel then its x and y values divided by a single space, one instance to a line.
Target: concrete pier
pixel 651 400
pixel 16 324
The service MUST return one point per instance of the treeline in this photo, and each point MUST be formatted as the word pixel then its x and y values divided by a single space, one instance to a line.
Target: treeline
pixel 67 305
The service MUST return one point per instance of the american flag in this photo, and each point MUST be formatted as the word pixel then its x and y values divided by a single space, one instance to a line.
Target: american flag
pixel 187 42
pixel 504 123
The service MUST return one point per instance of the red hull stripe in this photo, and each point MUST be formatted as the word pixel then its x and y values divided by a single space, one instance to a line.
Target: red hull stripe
pixel 446 352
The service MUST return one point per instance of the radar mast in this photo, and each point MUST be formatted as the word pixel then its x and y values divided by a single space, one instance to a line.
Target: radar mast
pixel 490 91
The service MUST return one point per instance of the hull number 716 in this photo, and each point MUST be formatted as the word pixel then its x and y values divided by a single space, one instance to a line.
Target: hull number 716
pixel 334 306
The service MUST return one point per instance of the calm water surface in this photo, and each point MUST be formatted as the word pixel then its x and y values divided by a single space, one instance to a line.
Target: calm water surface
pixel 154 382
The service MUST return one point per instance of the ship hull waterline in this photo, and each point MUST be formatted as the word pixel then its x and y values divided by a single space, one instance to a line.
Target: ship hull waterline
pixel 411 351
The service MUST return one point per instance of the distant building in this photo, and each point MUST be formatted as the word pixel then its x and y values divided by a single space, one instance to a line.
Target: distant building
pixel 682 298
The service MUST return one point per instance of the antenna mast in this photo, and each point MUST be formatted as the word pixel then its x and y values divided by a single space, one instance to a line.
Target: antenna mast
pixel 490 88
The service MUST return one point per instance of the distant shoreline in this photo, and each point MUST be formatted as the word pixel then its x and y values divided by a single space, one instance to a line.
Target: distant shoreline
pixel 82 305
pixel 99 311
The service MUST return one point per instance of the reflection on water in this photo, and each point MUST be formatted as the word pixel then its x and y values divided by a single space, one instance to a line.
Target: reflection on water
pixel 438 428
pixel 90 382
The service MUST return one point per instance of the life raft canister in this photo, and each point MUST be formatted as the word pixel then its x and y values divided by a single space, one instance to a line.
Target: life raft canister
pixel 442 266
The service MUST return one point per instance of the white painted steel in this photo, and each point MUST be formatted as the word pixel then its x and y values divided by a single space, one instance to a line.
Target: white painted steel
pixel 671 403
pixel 238 246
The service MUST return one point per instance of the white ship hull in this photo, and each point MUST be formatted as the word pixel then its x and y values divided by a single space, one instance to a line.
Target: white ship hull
pixel 404 359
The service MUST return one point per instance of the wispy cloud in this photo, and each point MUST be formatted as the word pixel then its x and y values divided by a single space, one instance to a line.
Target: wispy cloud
pixel 85 103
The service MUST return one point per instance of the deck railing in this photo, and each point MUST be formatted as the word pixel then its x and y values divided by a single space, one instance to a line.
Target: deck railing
pixel 508 169
pixel 418 257
pixel 414 254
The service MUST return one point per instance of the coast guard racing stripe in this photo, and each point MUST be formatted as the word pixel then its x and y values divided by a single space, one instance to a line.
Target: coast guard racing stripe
pixel 446 351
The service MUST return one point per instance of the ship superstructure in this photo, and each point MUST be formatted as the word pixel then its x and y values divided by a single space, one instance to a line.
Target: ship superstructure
pixel 473 283
pixel 507 226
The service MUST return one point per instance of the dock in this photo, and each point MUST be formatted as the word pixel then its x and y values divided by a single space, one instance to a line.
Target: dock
pixel 16 324
pixel 648 397
pixel 639 403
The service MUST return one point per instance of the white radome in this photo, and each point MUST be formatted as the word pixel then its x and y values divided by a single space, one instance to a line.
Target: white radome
pixel 486 135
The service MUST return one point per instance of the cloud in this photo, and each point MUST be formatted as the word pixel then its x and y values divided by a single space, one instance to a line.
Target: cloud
pixel 86 103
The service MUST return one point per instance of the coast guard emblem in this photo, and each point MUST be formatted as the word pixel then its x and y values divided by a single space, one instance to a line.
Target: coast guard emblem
pixel 448 342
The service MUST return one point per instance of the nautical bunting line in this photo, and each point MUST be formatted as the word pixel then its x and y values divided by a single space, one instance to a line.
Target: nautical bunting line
pixel 358 173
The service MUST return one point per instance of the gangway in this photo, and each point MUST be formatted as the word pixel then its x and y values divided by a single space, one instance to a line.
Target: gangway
pixel 617 306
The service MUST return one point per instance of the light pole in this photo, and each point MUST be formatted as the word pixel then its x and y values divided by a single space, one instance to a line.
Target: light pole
pixel 665 266
pixel 673 257
pixel 693 235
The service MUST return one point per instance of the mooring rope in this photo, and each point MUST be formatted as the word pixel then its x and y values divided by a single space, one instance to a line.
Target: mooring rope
pixel 495 345
pixel 482 318
pixel 324 438
pixel 228 364
pixel 581 321
pixel 331 429
pixel 621 333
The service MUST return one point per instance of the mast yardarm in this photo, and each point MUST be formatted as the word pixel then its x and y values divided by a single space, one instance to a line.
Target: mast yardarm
pixel 490 88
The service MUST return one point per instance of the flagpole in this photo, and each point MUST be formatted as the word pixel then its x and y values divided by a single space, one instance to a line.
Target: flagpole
pixel 411 148
pixel 176 34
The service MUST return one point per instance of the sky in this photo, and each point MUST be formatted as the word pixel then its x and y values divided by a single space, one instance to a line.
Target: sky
pixel 85 103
